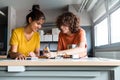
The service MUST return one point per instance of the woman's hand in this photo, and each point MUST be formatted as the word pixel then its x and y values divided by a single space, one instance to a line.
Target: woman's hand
pixel 20 57
pixel 51 54
pixel 32 54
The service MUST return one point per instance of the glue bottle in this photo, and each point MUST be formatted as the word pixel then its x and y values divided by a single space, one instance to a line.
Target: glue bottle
pixel 46 49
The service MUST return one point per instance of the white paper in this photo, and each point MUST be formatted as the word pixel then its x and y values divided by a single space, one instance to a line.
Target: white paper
pixel 16 68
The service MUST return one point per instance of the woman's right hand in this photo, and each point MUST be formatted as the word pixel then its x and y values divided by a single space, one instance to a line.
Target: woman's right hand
pixel 20 57
pixel 50 54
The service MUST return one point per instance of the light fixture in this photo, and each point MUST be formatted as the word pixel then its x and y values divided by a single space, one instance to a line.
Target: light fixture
pixel 1 13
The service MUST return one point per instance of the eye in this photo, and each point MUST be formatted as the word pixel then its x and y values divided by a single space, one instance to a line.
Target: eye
pixel 38 23
pixel 43 18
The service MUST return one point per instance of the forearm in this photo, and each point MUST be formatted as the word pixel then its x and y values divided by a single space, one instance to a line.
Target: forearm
pixel 13 55
pixel 81 51
pixel 37 54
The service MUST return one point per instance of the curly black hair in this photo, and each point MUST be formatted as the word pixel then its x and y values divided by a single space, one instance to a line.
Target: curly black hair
pixel 35 14
pixel 70 20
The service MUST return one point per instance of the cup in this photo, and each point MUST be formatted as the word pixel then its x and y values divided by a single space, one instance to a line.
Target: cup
pixel 75 56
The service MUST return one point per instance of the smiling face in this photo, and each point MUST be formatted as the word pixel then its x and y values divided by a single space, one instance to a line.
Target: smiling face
pixel 35 19
pixel 70 20
pixel 65 29
pixel 36 25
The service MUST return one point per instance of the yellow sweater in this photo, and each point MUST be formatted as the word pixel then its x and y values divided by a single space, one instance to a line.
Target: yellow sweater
pixel 24 46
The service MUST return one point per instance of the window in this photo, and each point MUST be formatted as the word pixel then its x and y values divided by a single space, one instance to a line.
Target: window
pixel 98 11
pixel 111 3
pixel 115 26
pixel 101 33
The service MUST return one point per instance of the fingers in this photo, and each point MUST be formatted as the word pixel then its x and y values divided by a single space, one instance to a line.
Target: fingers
pixel 51 55
pixel 20 57
pixel 32 54
pixel 47 55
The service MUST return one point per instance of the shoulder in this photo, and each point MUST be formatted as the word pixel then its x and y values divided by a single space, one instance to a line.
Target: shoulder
pixel 37 34
pixel 18 29
pixel 81 31
pixel 61 34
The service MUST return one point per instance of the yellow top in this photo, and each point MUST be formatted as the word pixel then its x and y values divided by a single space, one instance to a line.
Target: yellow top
pixel 24 46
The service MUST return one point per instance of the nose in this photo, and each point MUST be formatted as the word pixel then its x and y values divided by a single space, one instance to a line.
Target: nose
pixel 39 26
pixel 61 27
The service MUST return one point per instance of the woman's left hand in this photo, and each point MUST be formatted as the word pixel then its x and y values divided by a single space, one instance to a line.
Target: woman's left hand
pixel 32 54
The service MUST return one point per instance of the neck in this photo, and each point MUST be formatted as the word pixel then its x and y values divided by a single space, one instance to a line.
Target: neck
pixel 69 33
pixel 28 30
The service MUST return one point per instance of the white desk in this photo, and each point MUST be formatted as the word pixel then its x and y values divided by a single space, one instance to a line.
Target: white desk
pixel 62 69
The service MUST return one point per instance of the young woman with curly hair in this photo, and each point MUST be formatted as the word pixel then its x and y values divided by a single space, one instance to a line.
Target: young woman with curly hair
pixel 71 34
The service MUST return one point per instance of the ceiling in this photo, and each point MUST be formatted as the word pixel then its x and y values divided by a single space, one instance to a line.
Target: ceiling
pixel 51 8
pixel 44 4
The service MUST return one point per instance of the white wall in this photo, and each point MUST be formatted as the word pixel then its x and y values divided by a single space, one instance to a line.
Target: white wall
pixel 84 17
pixel 11 23
pixel 21 17
pixel 51 16
pixel 98 10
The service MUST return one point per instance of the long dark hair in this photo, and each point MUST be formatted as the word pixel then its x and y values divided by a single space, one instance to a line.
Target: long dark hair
pixel 35 14
pixel 70 20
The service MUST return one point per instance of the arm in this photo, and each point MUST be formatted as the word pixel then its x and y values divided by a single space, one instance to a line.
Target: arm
pixel 37 52
pixel 37 49
pixel 14 54
pixel 80 50
pixel 14 46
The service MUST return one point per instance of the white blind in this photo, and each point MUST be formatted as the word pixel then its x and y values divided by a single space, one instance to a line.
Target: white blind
pixel 98 11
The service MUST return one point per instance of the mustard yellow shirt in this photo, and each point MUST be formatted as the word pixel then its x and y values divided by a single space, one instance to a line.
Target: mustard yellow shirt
pixel 24 46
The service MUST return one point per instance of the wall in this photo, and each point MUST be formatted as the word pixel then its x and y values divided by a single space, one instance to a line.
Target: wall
pixel 51 15
pixel 3 31
pixel 11 23
pixel 89 40
pixel 84 16
pixel 7 23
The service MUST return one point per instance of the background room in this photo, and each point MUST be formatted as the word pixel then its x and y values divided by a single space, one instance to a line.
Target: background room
pixel 97 18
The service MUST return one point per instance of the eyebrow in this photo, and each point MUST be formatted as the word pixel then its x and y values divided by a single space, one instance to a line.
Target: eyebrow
pixel 43 18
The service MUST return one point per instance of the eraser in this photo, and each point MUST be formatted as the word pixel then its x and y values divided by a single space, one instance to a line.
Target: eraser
pixel 32 58
pixel 75 56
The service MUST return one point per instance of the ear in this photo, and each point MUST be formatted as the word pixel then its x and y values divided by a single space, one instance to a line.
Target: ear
pixel 30 19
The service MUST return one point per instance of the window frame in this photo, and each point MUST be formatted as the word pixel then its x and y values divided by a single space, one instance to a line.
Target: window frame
pixel 110 46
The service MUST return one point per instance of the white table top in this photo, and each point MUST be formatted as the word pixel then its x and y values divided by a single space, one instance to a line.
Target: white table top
pixel 62 62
